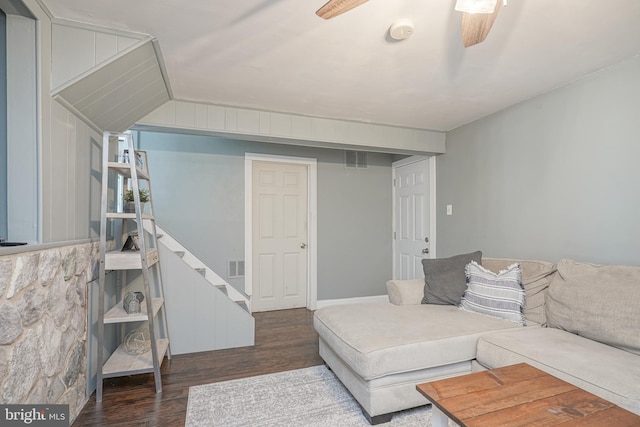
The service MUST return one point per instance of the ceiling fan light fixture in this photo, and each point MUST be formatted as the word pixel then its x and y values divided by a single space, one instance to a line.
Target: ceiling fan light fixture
pixel 476 6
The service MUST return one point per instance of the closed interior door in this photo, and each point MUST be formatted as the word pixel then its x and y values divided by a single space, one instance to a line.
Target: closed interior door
pixel 279 241
pixel 412 222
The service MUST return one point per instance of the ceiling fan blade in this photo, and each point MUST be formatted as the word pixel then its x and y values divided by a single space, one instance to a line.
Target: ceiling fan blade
pixel 476 26
pixel 336 7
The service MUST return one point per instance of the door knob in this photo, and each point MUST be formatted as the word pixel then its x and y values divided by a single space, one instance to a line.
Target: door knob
pixel 425 251
pixel 303 245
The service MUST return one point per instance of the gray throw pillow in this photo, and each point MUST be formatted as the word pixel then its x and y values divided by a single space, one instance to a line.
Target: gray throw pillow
pixel 445 279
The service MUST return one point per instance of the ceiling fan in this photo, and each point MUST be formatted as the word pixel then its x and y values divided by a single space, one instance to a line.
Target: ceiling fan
pixel 477 16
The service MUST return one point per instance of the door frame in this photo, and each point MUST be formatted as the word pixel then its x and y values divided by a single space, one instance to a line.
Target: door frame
pixel 432 204
pixel 312 228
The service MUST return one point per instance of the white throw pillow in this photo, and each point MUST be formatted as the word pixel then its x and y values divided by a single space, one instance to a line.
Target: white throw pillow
pixel 498 295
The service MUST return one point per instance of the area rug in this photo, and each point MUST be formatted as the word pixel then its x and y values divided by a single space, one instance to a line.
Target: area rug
pixel 303 397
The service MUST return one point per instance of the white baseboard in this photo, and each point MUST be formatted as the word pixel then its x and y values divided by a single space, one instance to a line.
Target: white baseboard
pixel 376 298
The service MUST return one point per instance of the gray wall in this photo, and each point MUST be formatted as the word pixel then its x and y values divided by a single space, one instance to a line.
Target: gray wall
pixel 554 177
pixel 22 130
pixel 198 196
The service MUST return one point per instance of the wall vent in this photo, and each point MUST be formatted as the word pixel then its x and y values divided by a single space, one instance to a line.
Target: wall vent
pixel 356 159
pixel 235 268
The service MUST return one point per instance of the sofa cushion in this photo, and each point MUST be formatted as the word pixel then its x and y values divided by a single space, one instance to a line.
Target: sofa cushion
pixel 445 281
pixel 494 294
pixel 599 302
pixel 606 371
pixel 378 339
pixel 536 276
pixel 405 292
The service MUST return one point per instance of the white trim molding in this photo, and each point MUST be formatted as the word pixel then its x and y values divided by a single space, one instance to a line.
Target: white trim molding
pixel 312 229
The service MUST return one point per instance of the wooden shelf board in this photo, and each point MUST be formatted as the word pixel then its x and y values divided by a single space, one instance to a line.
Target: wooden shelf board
pixel 122 363
pixel 128 260
pixel 117 314
pixel 128 215
pixel 124 169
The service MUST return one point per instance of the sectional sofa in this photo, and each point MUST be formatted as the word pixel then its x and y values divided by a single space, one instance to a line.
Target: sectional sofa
pixel 581 323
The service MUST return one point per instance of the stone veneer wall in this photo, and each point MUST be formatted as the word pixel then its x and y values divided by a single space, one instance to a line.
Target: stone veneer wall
pixel 43 325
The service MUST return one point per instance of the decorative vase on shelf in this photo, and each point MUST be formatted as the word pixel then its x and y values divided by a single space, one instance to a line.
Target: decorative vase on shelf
pixel 130 207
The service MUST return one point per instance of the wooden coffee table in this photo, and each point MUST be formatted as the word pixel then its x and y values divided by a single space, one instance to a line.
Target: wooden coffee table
pixel 519 395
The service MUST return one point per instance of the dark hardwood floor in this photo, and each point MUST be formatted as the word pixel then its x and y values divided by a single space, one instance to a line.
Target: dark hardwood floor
pixel 284 340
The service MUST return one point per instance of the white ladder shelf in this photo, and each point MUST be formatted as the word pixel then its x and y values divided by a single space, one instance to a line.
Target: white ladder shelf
pixel 129 173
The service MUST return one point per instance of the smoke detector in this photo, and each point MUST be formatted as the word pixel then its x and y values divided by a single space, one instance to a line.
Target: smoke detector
pixel 401 30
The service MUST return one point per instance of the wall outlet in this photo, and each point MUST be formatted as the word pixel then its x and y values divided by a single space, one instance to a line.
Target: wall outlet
pixel 449 209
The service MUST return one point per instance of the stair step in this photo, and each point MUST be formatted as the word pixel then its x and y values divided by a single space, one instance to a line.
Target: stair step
pixel 243 305
pixel 202 271
pixel 223 288
pixel 179 253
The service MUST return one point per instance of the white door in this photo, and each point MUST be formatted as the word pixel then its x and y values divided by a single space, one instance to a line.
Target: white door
pixel 279 227
pixel 412 219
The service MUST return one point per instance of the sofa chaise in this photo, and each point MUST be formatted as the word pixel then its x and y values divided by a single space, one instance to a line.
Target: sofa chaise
pixel 581 324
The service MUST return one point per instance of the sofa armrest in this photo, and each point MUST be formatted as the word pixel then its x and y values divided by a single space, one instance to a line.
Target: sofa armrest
pixel 405 292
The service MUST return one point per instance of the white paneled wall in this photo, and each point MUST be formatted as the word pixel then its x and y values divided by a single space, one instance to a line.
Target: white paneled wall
pixel 70 179
pixel 267 126
pixel 107 78
pixel 117 93
pixel 77 49
pixel 200 316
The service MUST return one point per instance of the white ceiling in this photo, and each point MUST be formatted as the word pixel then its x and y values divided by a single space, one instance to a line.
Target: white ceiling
pixel 278 55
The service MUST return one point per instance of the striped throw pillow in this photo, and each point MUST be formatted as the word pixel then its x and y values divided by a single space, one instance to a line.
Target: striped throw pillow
pixel 498 295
